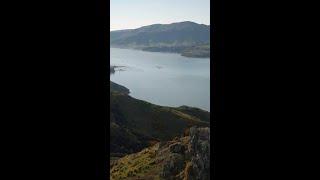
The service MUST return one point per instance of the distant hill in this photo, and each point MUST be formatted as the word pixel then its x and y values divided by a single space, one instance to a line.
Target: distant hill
pixel 187 38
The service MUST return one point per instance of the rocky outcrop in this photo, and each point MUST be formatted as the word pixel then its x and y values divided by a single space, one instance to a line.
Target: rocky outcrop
pixel 186 158
pixel 177 148
pixel 199 150
pixel 190 161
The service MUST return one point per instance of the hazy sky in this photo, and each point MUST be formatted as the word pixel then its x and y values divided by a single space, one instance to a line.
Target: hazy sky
pixel 128 14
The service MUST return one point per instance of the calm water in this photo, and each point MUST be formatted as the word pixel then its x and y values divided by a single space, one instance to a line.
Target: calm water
pixel 163 78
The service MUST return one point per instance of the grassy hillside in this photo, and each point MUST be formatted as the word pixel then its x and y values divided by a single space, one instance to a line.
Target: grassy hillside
pixel 196 112
pixel 175 159
pixel 136 124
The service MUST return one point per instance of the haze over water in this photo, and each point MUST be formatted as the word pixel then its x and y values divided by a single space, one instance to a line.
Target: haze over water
pixel 165 79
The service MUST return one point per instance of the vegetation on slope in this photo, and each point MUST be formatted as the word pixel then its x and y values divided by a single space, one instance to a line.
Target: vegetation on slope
pixel 136 124
pixel 181 158
pixel 196 112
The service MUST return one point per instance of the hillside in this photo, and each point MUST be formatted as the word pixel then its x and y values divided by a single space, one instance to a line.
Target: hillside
pixel 118 88
pixel 187 38
pixel 182 158
pixel 137 124
pixel 201 114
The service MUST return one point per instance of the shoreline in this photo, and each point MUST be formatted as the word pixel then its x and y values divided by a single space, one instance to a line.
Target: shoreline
pixel 122 89
pixel 168 52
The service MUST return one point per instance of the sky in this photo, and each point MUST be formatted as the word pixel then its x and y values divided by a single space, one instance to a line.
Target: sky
pixel 130 14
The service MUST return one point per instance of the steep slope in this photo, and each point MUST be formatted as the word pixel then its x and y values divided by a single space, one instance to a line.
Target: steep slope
pixel 187 38
pixel 136 124
pixel 186 158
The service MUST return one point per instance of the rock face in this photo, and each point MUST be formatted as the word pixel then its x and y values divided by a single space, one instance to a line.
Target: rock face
pixel 199 150
pixel 185 158
pixel 194 159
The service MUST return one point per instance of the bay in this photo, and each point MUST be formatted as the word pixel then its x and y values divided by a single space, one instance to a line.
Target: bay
pixel 166 79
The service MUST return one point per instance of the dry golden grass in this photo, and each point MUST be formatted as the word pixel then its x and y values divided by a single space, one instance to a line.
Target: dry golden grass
pixel 136 165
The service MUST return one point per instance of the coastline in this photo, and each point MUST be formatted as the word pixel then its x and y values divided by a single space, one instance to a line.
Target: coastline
pixel 156 49
pixel 114 87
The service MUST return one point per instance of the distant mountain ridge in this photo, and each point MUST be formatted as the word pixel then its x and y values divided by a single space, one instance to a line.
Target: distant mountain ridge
pixel 187 38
